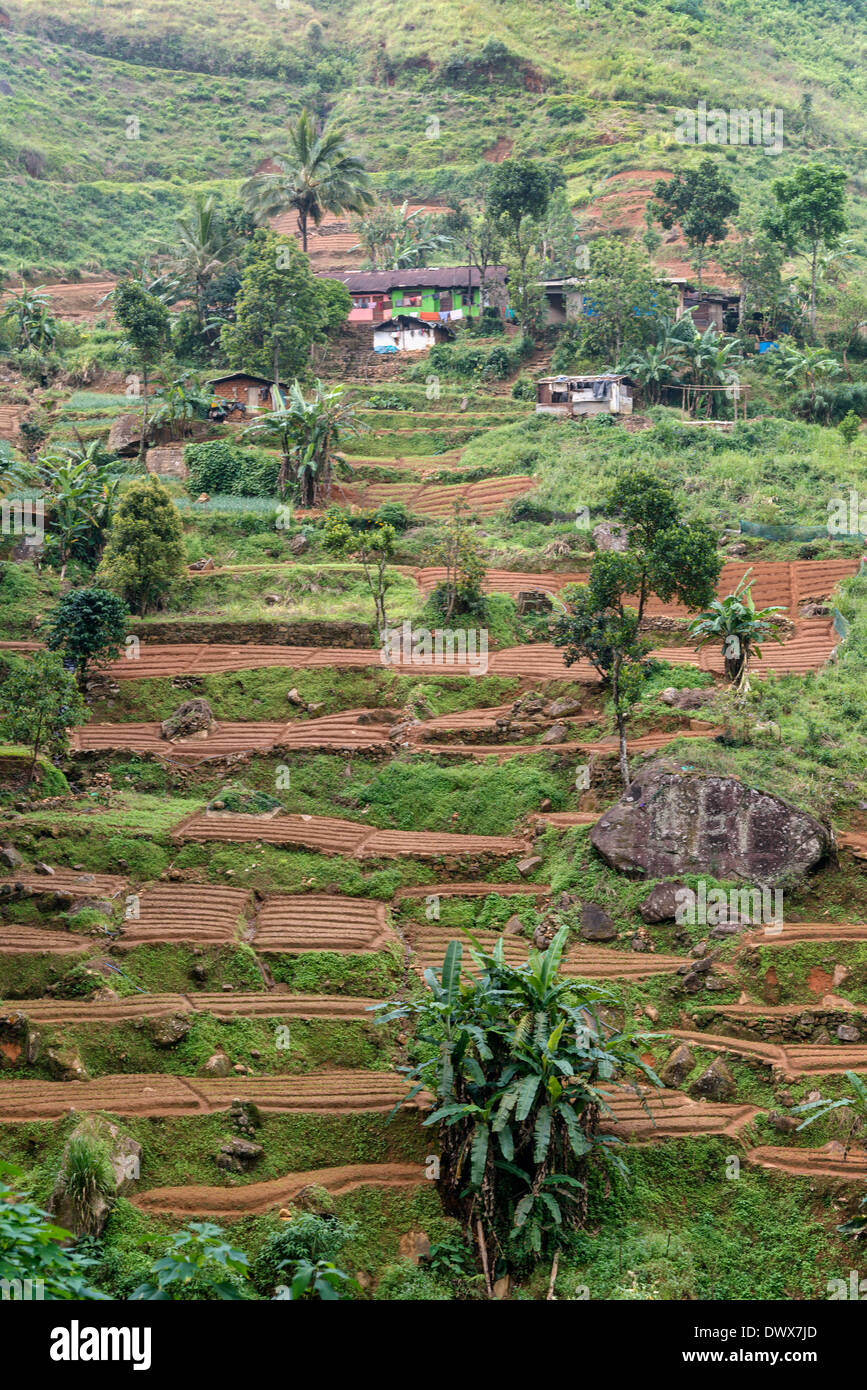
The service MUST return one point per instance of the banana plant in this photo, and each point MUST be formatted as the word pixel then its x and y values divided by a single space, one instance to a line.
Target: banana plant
pixel 738 626
pixel 522 1069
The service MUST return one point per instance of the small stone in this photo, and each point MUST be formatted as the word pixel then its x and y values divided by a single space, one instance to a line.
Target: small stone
pixel 10 857
pixel 596 925
pixel 294 698
pixel 561 709
pixel 677 1068
pixel 299 544
pixel 783 1124
pixel 556 734
pixel 44 869
pixel 529 865
pixel 66 1065
pixel 651 1013
pixel 848 1033
pixel 716 1083
pixel 169 1031
pixel 218 1064
pixel 662 902
pixel 315 706
pixel 514 926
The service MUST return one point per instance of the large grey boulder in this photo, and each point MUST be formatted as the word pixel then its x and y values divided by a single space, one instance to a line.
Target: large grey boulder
pixel 674 820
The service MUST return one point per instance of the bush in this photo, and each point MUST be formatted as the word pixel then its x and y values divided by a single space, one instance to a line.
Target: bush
pixel 393 514
pixel 307 1236
pixel 524 389
pixel 406 1283
pixel 88 1175
pixel 221 468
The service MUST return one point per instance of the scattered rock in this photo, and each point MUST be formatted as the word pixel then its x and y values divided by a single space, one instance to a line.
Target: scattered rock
pixel 848 1033
pixel 218 1064
pixel 562 708
pixel 44 869
pixel 716 1083
pixel 783 1124
pixel 10 857
pixel 691 698
pixel 610 536
pixel 17 1042
pixel 298 544
pixel 414 1245
pixel 194 717
pixel 677 1068
pixel 124 1154
pixel 514 926
pixel 238 1155
pixel 556 734
pixel 661 903
pixel 675 820
pixel 596 925
pixel 169 1031
pixel 529 865
pixel 66 1065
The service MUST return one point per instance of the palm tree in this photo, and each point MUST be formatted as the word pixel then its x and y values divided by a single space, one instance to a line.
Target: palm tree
pixel 738 626
pixel 712 361
pixel 316 176
pixel 205 248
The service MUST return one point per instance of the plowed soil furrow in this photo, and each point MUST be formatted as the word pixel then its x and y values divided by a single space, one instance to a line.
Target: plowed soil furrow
pixel 184 912
pixel 781 1011
pixel 330 1092
pixel 273 1005
pixel 647 1117
pixel 791 1059
pixel 671 1115
pixel 83 885
pixel 811 1163
pixel 475 890
pixel 565 820
pixel 336 731
pixel 429 944
pixel 332 836
pixel 255 1198
pixel 34 941
pixel 318 923
pixel 794 933
pixel 485 498
pixel 808 650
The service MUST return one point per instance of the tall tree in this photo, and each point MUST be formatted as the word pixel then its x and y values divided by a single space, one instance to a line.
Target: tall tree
pixel 519 192
pixel 700 201
pixel 89 627
pixel 145 554
pixel 308 431
pixel 40 703
pixel 145 320
pixel 316 175
pixel 622 295
pixel 810 216
pixel 281 309
pixel 674 558
pixel 204 249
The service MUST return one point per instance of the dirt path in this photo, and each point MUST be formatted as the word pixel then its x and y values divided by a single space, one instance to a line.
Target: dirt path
pixel 255 1198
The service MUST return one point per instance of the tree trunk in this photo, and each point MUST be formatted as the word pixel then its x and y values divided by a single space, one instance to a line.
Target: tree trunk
pixel 483 1251
pixel 621 738
pixel 144 415
pixel 813 291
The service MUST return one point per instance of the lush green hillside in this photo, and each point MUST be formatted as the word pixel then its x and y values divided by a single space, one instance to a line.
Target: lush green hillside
pixel 426 91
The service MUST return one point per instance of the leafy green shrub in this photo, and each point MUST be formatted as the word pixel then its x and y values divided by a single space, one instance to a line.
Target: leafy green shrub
pixel 221 468
pixel 88 1175
pixel 30 1246
pixel 307 1236
pixel 393 514
pixel 199 1263
pixel 524 389
pixel 406 1283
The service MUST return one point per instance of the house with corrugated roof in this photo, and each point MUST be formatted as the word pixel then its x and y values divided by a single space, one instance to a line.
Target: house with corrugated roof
pixel 435 294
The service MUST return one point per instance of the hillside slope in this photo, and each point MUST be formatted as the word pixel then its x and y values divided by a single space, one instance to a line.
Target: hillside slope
pixel 111 112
